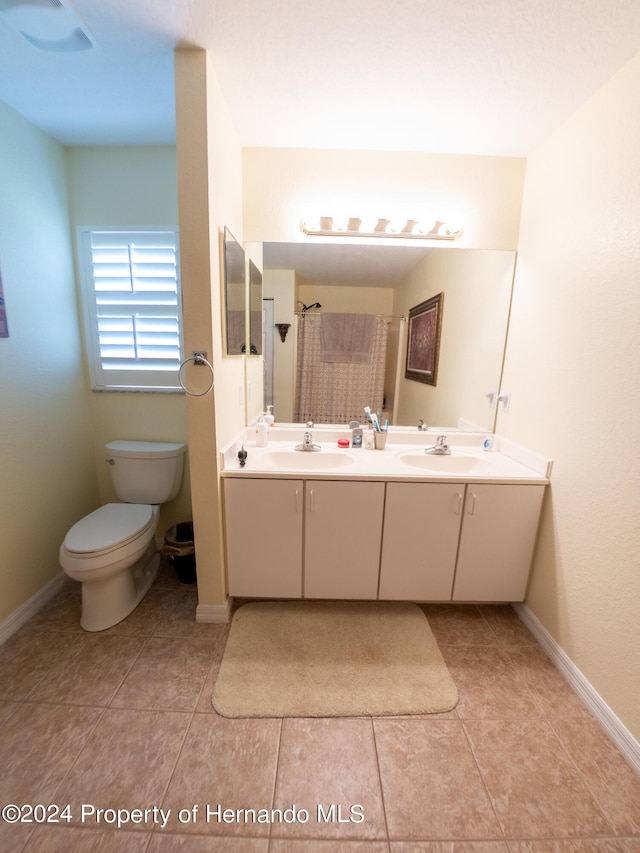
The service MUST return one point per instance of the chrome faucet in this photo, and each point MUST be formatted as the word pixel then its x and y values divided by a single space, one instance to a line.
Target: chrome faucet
pixel 422 426
pixel 440 448
pixel 307 444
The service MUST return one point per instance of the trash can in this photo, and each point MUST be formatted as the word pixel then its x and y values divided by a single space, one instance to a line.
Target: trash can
pixel 180 550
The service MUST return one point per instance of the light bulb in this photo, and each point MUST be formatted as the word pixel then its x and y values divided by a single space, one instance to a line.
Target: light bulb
pixel 396 226
pixel 368 224
pixel 310 223
pixel 422 227
pixel 340 223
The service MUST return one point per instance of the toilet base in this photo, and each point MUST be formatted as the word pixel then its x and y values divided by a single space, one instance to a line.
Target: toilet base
pixel 107 602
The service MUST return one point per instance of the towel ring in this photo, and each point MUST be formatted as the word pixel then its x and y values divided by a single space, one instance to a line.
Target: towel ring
pixel 196 359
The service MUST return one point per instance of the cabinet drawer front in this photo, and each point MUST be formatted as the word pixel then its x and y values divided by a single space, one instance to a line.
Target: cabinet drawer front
pixel 420 540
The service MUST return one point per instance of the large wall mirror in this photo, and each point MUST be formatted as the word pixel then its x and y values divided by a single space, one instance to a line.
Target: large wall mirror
pixel 235 294
pixel 389 281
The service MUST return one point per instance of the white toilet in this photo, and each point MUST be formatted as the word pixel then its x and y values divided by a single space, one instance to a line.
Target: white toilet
pixel 112 551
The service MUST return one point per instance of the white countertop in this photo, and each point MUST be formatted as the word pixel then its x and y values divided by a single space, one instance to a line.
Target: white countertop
pixel 403 458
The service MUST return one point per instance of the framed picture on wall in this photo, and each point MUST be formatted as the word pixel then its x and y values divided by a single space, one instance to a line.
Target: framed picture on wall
pixel 423 342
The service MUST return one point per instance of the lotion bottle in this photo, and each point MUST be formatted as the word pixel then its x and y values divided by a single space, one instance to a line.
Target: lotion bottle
pixel 268 418
pixel 262 432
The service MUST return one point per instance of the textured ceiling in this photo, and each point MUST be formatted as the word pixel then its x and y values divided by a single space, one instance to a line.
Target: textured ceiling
pixel 477 77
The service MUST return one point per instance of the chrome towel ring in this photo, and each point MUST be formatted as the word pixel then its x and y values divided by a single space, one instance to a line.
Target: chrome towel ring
pixel 196 358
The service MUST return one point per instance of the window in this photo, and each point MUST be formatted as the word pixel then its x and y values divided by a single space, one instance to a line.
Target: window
pixel 131 292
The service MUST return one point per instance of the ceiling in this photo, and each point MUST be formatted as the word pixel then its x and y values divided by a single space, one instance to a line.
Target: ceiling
pixel 490 77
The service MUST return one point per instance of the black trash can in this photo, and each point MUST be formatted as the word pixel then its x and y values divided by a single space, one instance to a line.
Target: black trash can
pixel 180 550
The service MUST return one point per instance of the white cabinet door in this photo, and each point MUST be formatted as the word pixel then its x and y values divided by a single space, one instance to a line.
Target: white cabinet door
pixel 264 537
pixel 342 539
pixel 499 529
pixel 420 540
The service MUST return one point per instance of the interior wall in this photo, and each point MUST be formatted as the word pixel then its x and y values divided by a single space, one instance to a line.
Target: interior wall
pixel 572 368
pixel 209 197
pixel 484 194
pixel 345 300
pixel 129 187
pixel 48 476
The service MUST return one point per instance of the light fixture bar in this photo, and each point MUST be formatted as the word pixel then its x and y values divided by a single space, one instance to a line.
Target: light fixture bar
pixel 354 226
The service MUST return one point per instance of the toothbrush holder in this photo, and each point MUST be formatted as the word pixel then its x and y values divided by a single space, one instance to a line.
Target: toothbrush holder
pixel 379 439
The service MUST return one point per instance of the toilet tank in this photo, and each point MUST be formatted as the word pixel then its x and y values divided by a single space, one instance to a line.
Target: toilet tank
pixel 145 472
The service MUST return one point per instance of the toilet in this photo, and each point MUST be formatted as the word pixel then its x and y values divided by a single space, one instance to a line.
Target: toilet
pixel 112 551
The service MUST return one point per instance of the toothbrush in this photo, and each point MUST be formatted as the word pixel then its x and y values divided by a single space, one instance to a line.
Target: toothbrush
pixel 373 418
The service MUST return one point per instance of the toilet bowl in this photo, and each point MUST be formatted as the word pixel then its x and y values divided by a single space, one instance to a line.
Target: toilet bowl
pixel 112 551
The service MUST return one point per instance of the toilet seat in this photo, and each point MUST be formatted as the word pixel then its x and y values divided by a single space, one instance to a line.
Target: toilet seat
pixel 109 528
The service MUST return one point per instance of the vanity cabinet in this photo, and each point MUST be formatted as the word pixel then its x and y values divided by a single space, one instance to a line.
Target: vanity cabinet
pixel 349 539
pixel 448 541
pixel 291 539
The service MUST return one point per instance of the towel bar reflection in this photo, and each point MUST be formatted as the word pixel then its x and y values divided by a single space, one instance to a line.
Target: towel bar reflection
pixel 197 358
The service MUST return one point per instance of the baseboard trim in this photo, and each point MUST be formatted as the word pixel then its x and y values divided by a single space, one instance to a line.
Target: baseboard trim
pixel 29 608
pixel 615 729
pixel 214 612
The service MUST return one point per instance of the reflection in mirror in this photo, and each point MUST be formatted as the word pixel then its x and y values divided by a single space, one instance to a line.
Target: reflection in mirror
pixel 255 310
pixel 235 297
pixel 389 281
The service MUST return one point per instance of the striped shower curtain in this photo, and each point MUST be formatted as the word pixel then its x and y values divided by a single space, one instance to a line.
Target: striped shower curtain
pixel 337 392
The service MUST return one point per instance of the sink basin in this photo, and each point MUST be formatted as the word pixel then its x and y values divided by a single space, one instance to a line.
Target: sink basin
pixel 456 463
pixel 301 460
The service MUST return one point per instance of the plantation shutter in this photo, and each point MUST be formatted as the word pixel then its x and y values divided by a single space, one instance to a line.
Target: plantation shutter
pixel 136 316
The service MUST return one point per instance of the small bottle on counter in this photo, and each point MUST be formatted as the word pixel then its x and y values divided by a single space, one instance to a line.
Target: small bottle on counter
pixel 262 432
pixel 356 437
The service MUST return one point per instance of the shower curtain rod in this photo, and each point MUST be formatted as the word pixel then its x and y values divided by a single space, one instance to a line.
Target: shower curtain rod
pixel 319 314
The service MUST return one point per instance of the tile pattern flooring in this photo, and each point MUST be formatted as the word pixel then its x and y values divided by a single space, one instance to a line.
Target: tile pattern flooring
pixel 123 720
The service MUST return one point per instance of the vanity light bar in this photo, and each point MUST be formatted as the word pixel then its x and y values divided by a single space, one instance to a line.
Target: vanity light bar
pixel 354 226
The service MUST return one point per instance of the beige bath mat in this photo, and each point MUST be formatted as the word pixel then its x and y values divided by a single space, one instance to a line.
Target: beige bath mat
pixel 331 659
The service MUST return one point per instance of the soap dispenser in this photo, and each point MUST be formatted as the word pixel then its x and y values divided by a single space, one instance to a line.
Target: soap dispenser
pixel 262 432
pixel 268 418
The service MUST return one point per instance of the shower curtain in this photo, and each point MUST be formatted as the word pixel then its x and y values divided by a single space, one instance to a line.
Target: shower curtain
pixel 337 392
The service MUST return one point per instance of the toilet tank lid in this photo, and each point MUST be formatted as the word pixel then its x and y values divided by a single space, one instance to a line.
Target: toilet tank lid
pixel 145 449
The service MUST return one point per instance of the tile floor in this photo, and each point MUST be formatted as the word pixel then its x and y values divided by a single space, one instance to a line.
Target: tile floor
pixel 123 720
